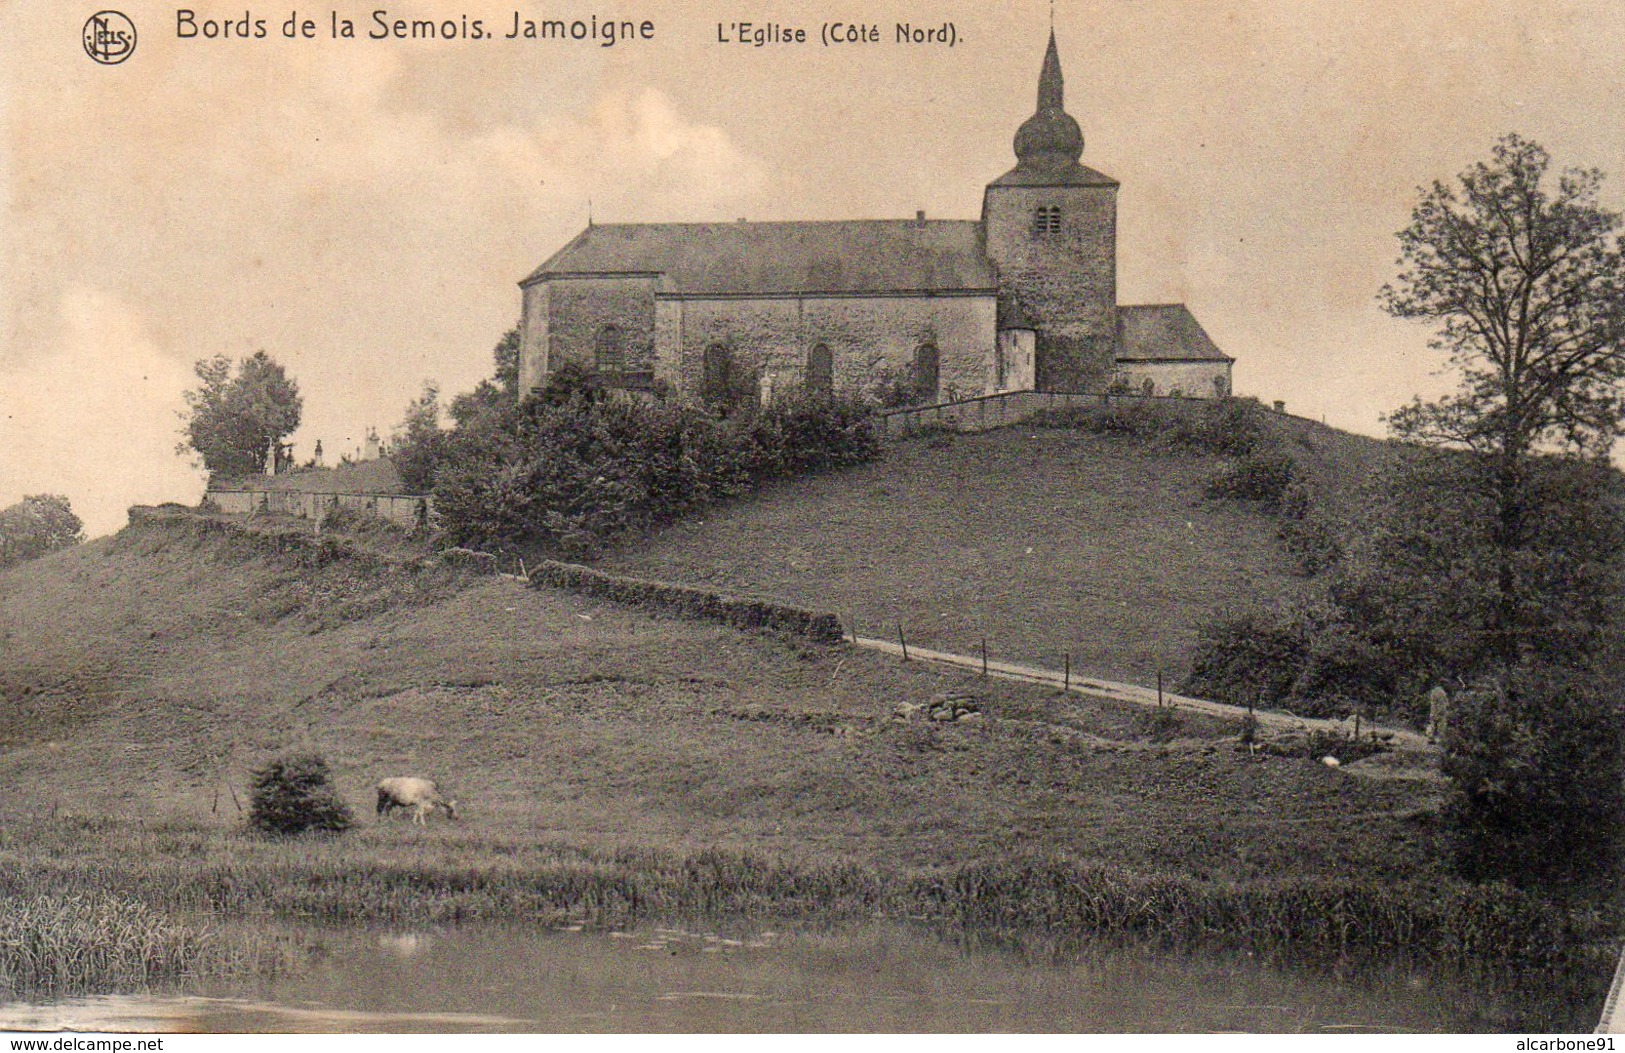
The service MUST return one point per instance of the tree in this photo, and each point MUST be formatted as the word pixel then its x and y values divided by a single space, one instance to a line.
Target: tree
pixel 419 443
pixel 1513 586
pixel 496 394
pixel 233 422
pixel 37 524
pixel 1527 283
pixel 1529 289
pixel 505 356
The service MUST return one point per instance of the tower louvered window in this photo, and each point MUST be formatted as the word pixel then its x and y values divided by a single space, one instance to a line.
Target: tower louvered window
pixel 1047 220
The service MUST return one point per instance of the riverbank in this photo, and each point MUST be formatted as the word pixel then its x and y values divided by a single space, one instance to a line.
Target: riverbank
pixel 183 892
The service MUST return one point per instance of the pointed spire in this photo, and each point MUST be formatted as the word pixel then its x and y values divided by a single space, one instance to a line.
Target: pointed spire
pixel 1050 88
pixel 1050 139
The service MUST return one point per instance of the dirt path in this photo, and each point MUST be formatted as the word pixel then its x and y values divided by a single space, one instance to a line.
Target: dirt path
pixel 1400 738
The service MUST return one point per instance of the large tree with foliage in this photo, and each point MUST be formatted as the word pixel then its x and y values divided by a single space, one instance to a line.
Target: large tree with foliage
pixel 233 419
pixel 1526 281
pixel 37 524
pixel 1525 277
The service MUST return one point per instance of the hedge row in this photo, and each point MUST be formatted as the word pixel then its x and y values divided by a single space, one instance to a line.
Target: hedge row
pixel 691 602
pixel 573 469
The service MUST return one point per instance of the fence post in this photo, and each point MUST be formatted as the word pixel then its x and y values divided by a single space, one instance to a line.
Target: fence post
pixel 984 656
pixel 1066 682
pixel 902 640
pixel 1159 687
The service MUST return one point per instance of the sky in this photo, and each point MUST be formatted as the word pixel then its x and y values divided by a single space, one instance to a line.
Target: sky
pixel 363 209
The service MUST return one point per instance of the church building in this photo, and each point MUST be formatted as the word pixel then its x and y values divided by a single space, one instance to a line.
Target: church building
pixel 909 310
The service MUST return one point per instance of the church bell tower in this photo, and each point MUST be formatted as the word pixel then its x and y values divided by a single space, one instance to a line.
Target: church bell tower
pixel 1050 227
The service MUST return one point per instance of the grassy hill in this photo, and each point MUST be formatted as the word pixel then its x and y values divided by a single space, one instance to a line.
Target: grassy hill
pixel 143 675
pixel 1043 541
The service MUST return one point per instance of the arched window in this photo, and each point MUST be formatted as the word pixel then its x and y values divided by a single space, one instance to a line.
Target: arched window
pixel 820 383
pixel 609 350
pixel 1148 386
pixel 1047 220
pixel 716 380
pixel 925 373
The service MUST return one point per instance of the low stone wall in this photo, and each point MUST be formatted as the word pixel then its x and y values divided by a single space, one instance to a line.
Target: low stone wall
pixel 983 413
pixel 407 510
pixel 986 412
pixel 691 602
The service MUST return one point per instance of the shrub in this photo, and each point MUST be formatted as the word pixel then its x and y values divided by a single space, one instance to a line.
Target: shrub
pixel 1162 724
pixel 893 389
pixel 37 524
pixel 574 469
pixel 293 794
pixel 1251 658
pixel 1231 426
pixel 1534 757
pixel 1262 475
pixel 1304 533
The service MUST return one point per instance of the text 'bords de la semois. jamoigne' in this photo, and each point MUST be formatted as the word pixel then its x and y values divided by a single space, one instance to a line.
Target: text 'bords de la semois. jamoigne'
pixel 382 24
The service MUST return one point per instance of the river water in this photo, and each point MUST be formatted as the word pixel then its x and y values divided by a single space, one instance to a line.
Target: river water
pixel 872 977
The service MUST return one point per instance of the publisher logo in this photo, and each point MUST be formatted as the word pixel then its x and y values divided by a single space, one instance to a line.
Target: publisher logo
pixel 109 37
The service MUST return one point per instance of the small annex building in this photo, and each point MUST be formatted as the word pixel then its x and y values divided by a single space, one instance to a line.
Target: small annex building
pixel 909 310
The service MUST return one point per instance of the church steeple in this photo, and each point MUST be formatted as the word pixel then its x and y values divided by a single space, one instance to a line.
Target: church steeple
pixel 1050 140
pixel 1050 86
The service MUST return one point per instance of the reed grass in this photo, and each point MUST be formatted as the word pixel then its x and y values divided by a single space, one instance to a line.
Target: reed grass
pixel 115 888
pixel 54 945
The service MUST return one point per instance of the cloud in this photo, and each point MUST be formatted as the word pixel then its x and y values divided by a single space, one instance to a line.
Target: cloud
pixel 366 234
pixel 96 420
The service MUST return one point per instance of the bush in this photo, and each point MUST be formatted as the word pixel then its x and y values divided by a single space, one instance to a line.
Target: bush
pixel 1251 658
pixel 1306 658
pixel 1161 725
pixel 37 524
pixel 293 794
pixel 1414 596
pixel 1230 426
pixel 1263 474
pixel 1304 533
pixel 1534 757
pixel 574 469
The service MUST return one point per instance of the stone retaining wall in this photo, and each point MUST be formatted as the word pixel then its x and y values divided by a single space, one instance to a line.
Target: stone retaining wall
pixel 691 602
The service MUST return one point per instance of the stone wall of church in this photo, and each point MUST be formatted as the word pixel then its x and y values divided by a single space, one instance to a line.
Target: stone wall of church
pixel 563 318
pixel 1065 280
pixel 870 338
pixel 533 307
pixel 1204 379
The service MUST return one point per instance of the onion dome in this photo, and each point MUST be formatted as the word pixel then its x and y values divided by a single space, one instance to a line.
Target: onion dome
pixel 1050 139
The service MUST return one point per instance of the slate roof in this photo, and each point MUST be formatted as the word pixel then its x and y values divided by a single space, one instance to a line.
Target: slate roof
pixel 377 476
pixel 1164 332
pixel 1068 175
pixel 763 259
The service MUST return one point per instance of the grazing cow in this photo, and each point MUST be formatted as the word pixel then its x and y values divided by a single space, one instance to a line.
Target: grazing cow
pixel 409 791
